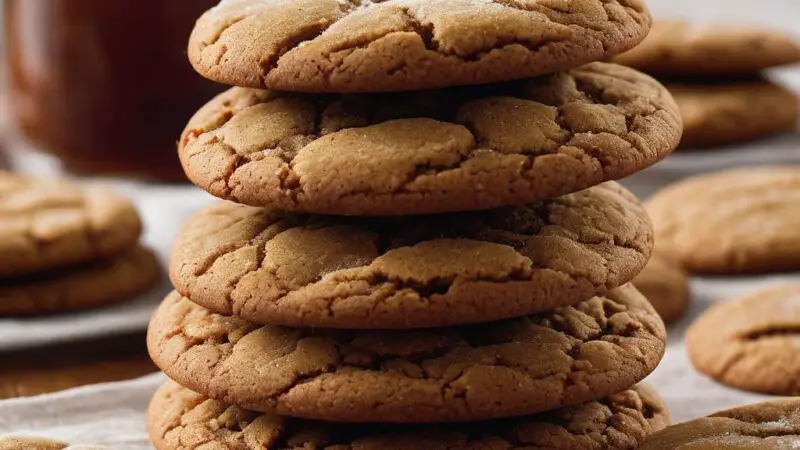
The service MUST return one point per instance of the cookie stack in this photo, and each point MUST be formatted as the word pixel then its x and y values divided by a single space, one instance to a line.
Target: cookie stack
pixel 66 248
pixel 715 74
pixel 448 266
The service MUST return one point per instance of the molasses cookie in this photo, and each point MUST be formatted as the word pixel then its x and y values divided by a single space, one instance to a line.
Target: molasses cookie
pixel 47 224
pixel 763 426
pixel 717 114
pixel 278 268
pixel 398 45
pixel 751 343
pixel 666 286
pixel 678 48
pixel 31 443
pixel 181 419
pixel 452 150
pixel 519 366
pixel 731 222
pixel 90 285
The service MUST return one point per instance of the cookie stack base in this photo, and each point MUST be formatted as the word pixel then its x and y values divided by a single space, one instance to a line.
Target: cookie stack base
pixel 181 419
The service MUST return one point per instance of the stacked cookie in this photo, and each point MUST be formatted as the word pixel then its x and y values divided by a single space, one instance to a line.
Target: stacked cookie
pixel 66 248
pixel 715 74
pixel 473 260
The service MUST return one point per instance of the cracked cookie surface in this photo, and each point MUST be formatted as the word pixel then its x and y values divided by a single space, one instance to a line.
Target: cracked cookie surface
pixel 398 45
pixel 761 426
pixel 450 150
pixel 91 285
pixel 46 224
pixel 677 48
pixel 666 286
pixel 752 343
pixel 411 272
pixel 179 419
pixel 515 367
pixel 731 222
pixel 733 112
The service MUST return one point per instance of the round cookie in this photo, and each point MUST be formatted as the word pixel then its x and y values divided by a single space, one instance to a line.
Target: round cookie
pixel 91 285
pixel 410 272
pixel 430 152
pixel 179 419
pixel 734 112
pixel 763 426
pixel 751 343
pixel 400 45
pixel 666 286
pixel 677 48
pixel 47 224
pixel 731 222
pixel 31 443
pixel 515 367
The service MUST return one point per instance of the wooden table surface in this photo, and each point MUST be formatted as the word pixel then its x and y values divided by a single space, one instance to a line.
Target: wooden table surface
pixel 49 369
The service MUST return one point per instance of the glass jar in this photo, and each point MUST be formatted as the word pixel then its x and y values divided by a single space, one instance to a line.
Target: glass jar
pixel 105 85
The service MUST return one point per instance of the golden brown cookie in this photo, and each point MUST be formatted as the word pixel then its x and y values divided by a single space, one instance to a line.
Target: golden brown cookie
pixel 680 48
pixel 410 272
pixel 91 285
pixel 398 45
pixel 733 221
pixel 29 443
pixel 752 343
pixel 431 152
pixel 763 426
pixel 666 286
pixel 179 419
pixel 733 112
pixel 515 367
pixel 47 224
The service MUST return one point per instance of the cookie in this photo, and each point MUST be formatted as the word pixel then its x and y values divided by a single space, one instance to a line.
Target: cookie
pixel 179 419
pixel 91 285
pixel 666 286
pixel 431 152
pixel 47 224
pixel 764 426
pixel 515 367
pixel 719 114
pixel 280 268
pixel 29 443
pixel 677 48
pixel 751 343
pixel 400 45
pixel 731 222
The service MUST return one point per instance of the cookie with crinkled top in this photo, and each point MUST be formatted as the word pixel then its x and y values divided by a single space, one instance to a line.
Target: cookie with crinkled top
pixel 679 48
pixel 450 150
pixel 49 224
pixel 397 45
pixel 731 222
pixel 519 366
pixel 179 419
pixel 751 343
pixel 279 268
pixel 771 425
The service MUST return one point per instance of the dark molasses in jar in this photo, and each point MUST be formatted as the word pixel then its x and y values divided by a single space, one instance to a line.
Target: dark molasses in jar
pixel 105 85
